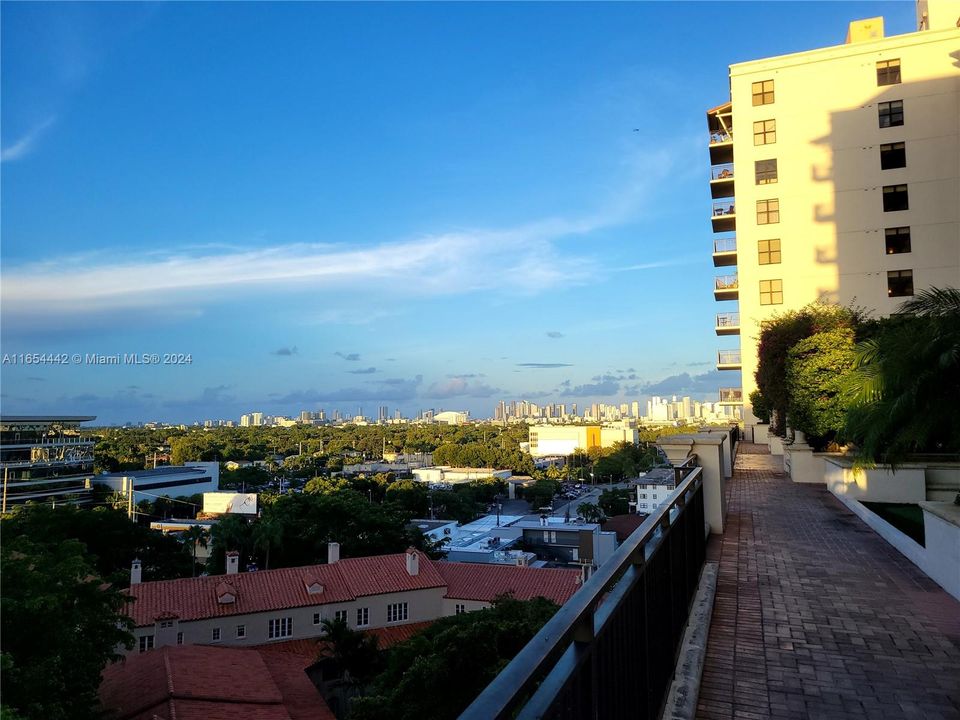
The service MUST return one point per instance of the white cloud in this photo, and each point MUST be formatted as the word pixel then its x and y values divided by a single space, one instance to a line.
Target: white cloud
pixel 24 146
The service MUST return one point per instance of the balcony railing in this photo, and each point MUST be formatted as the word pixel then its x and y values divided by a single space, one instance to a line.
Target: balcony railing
pixel 724 207
pixel 726 282
pixel 721 245
pixel 731 395
pixel 728 319
pixel 720 137
pixel 723 171
pixel 609 652
pixel 728 357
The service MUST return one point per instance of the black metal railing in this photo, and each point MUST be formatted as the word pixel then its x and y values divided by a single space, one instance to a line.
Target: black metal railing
pixel 610 651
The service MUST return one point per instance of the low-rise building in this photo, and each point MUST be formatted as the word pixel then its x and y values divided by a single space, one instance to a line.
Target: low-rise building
pixel 563 440
pixel 254 608
pixel 170 480
pixel 653 489
pixel 446 475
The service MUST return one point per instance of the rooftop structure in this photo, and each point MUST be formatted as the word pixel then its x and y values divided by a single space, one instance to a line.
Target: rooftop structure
pixel 550 440
pixel 171 480
pixel 446 475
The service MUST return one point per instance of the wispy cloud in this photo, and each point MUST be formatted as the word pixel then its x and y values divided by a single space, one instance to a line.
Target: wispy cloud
pixel 556 335
pixel 351 357
pixel 671 262
pixel 460 387
pixel 285 351
pixel 25 145
pixel 363 371
pixel 544 366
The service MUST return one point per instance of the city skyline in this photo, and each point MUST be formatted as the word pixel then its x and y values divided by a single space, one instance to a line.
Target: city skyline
pixel 403 205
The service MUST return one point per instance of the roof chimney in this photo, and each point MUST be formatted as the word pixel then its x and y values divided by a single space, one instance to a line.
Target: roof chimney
pixel 233 562
pixel 333 552
pixel 413 562
pixel 135 572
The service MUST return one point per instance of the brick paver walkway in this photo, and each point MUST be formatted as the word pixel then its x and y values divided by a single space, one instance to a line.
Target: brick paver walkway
pixel 817 617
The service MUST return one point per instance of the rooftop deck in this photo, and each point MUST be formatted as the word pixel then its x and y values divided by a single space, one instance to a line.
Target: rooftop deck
pixel 818 617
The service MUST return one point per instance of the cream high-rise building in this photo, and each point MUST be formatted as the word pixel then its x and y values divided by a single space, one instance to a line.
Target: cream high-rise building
pixel 835 175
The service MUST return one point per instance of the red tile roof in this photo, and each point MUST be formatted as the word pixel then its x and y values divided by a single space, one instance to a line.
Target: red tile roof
pixel 624 525
pixel 197 682
pixel 266 590
pixel 308 649
pixel 476 581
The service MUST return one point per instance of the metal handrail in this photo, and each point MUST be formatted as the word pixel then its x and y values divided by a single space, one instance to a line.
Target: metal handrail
pixel 720 137
pixel 726 282
pixel 731 394
pixel 728 357
pixel 724 171
pixel 725 245
pixel 724 207
pixel 559 647
pixel 728 319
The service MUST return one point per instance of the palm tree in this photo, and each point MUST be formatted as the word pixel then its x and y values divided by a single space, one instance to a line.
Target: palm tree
pixel 905 388
pixel 355 653
pixel 196 535
pixel 267 533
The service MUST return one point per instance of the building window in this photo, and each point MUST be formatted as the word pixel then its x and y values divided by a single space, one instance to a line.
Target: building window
pixel 396 612
pixel 765 132
pixel 340 615
pixel 316 618
pixel 179 638
pixel 895 198
pixel 643 496
pixel 166 624
pixel 893 155
pixel 146 643
pixel 241 631
pixel 771 292
pixel 888 72
pixel 891 113
pixel 216 634
pixel 766 171
pixel 280 628
pixel 763 92
pixel 898 240
pixel 643 505
pixel 768 212
pixel 899 283
pixel 461 609
pixel 769 252
pixel 363 617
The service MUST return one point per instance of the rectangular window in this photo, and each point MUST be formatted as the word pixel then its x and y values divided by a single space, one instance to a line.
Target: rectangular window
pixel 763 92
pixel 888 72
pixel 166 624
pixel 893 155
pixel 146 643
pixel 765 132
pixel 643 496
pixel 363 617
pixel 895 198
pixel 898 240
pixel 766 171
pixel 396 612
pixel 900 283
pixel 179 638
pixel 771 292
pixel 340 615
pixel 643 505
pixel 216 635
pixel 461 609
pixel 768 212
pixel 280 628
pixel 891 113
pixel 769 252
pixel 241 631
pixel 316 618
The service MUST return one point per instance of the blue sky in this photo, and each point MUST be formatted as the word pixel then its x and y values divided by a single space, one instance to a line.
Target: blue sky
pixel 336 205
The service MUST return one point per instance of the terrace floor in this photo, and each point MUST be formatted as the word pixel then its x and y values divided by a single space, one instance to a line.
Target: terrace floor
pixel 816 616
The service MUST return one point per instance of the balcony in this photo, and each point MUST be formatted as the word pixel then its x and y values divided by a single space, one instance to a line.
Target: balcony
pixel 728 360
pixel 728 323
pixel 724 252
pixel 721 180
pixel 724 215
pixel 731 396
pixel 726 287
pixel 609 652
pixel 720 125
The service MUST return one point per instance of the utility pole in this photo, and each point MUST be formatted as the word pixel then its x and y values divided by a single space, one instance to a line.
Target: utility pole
pixel 130 498
pixel 6 472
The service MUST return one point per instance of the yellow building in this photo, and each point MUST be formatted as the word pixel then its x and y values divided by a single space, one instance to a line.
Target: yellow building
pixel 561 440
pixel 835 174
